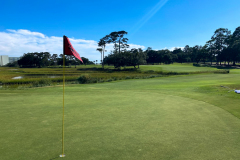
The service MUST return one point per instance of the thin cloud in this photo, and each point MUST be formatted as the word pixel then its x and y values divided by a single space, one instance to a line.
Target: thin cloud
pixel 16 42
pixel 26 32
pixel 148 16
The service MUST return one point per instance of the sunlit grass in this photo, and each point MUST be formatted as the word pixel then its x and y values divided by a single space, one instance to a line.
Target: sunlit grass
pixel 178 117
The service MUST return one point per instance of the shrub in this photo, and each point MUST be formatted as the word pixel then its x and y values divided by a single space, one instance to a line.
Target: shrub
pixel 222 71
pixel 109 71
pixel 101 81
pixel 149 71
pixel 93 80
pixel 42 82
pixel 152 76
pixel 114 78
pixel 84 79
pixel 109 80
pixel 45 81
pixel 196 65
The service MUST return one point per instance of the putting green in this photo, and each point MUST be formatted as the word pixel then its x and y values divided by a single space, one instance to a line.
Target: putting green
pixel 135 119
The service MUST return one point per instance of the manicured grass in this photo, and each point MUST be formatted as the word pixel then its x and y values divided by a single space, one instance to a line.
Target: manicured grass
pixel 177 67
pixel 177 117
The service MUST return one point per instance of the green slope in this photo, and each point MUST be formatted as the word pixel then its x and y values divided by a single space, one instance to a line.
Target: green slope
pixel 179 117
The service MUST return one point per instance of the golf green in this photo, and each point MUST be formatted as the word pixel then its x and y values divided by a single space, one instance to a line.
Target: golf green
pixel 179 117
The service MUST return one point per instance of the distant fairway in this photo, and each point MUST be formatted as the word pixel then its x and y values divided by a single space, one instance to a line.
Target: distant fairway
pixel 178 117
pixel 177 67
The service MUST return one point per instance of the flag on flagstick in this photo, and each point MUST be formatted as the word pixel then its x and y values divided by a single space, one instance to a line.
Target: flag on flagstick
pixel 67 50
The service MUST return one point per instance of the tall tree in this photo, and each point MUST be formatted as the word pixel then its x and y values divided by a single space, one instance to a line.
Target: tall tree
pixel 137 57
pixel 167 58
pixel 236 51
pixel 176 50
pixel 35 59
pixel 188 52
pixel 152 56
pixel 204 53
pixel 117 38
pixel 86 61
pixel 186 49
pixel 181 57
pixel 220 41
pixel 235 36
pixel 102 43
pixel 53 59
pixel 149 49
pixel 210 50
pixel 234 45
pixel 196 52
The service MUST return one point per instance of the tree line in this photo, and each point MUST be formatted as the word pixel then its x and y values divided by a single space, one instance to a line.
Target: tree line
pixel 223 46
pixel 45 59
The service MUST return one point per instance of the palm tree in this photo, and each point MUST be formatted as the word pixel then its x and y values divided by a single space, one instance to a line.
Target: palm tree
pixel 102 43
pixel 101 51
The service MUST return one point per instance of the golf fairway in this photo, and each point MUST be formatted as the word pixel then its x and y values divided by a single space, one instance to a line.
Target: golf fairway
pixel 177 118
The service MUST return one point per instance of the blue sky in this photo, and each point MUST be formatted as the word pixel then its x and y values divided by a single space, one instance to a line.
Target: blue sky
pixel 28 26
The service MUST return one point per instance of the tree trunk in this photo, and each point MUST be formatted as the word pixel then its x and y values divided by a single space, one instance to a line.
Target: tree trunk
pixel 119 46
pixel 103 57
pixel 115 46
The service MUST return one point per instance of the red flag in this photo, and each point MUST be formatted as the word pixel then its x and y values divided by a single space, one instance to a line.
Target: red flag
pixel 69 50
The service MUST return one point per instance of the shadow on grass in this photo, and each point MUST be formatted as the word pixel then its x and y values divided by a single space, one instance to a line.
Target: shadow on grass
pixel 224 67
pixel 88 69
pixel 216 66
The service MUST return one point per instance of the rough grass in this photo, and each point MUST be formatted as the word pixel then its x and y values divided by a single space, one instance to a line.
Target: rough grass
pixel 34 76
pixel 177 117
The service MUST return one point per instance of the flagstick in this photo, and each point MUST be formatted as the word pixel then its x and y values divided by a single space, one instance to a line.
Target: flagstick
pixel 63 155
